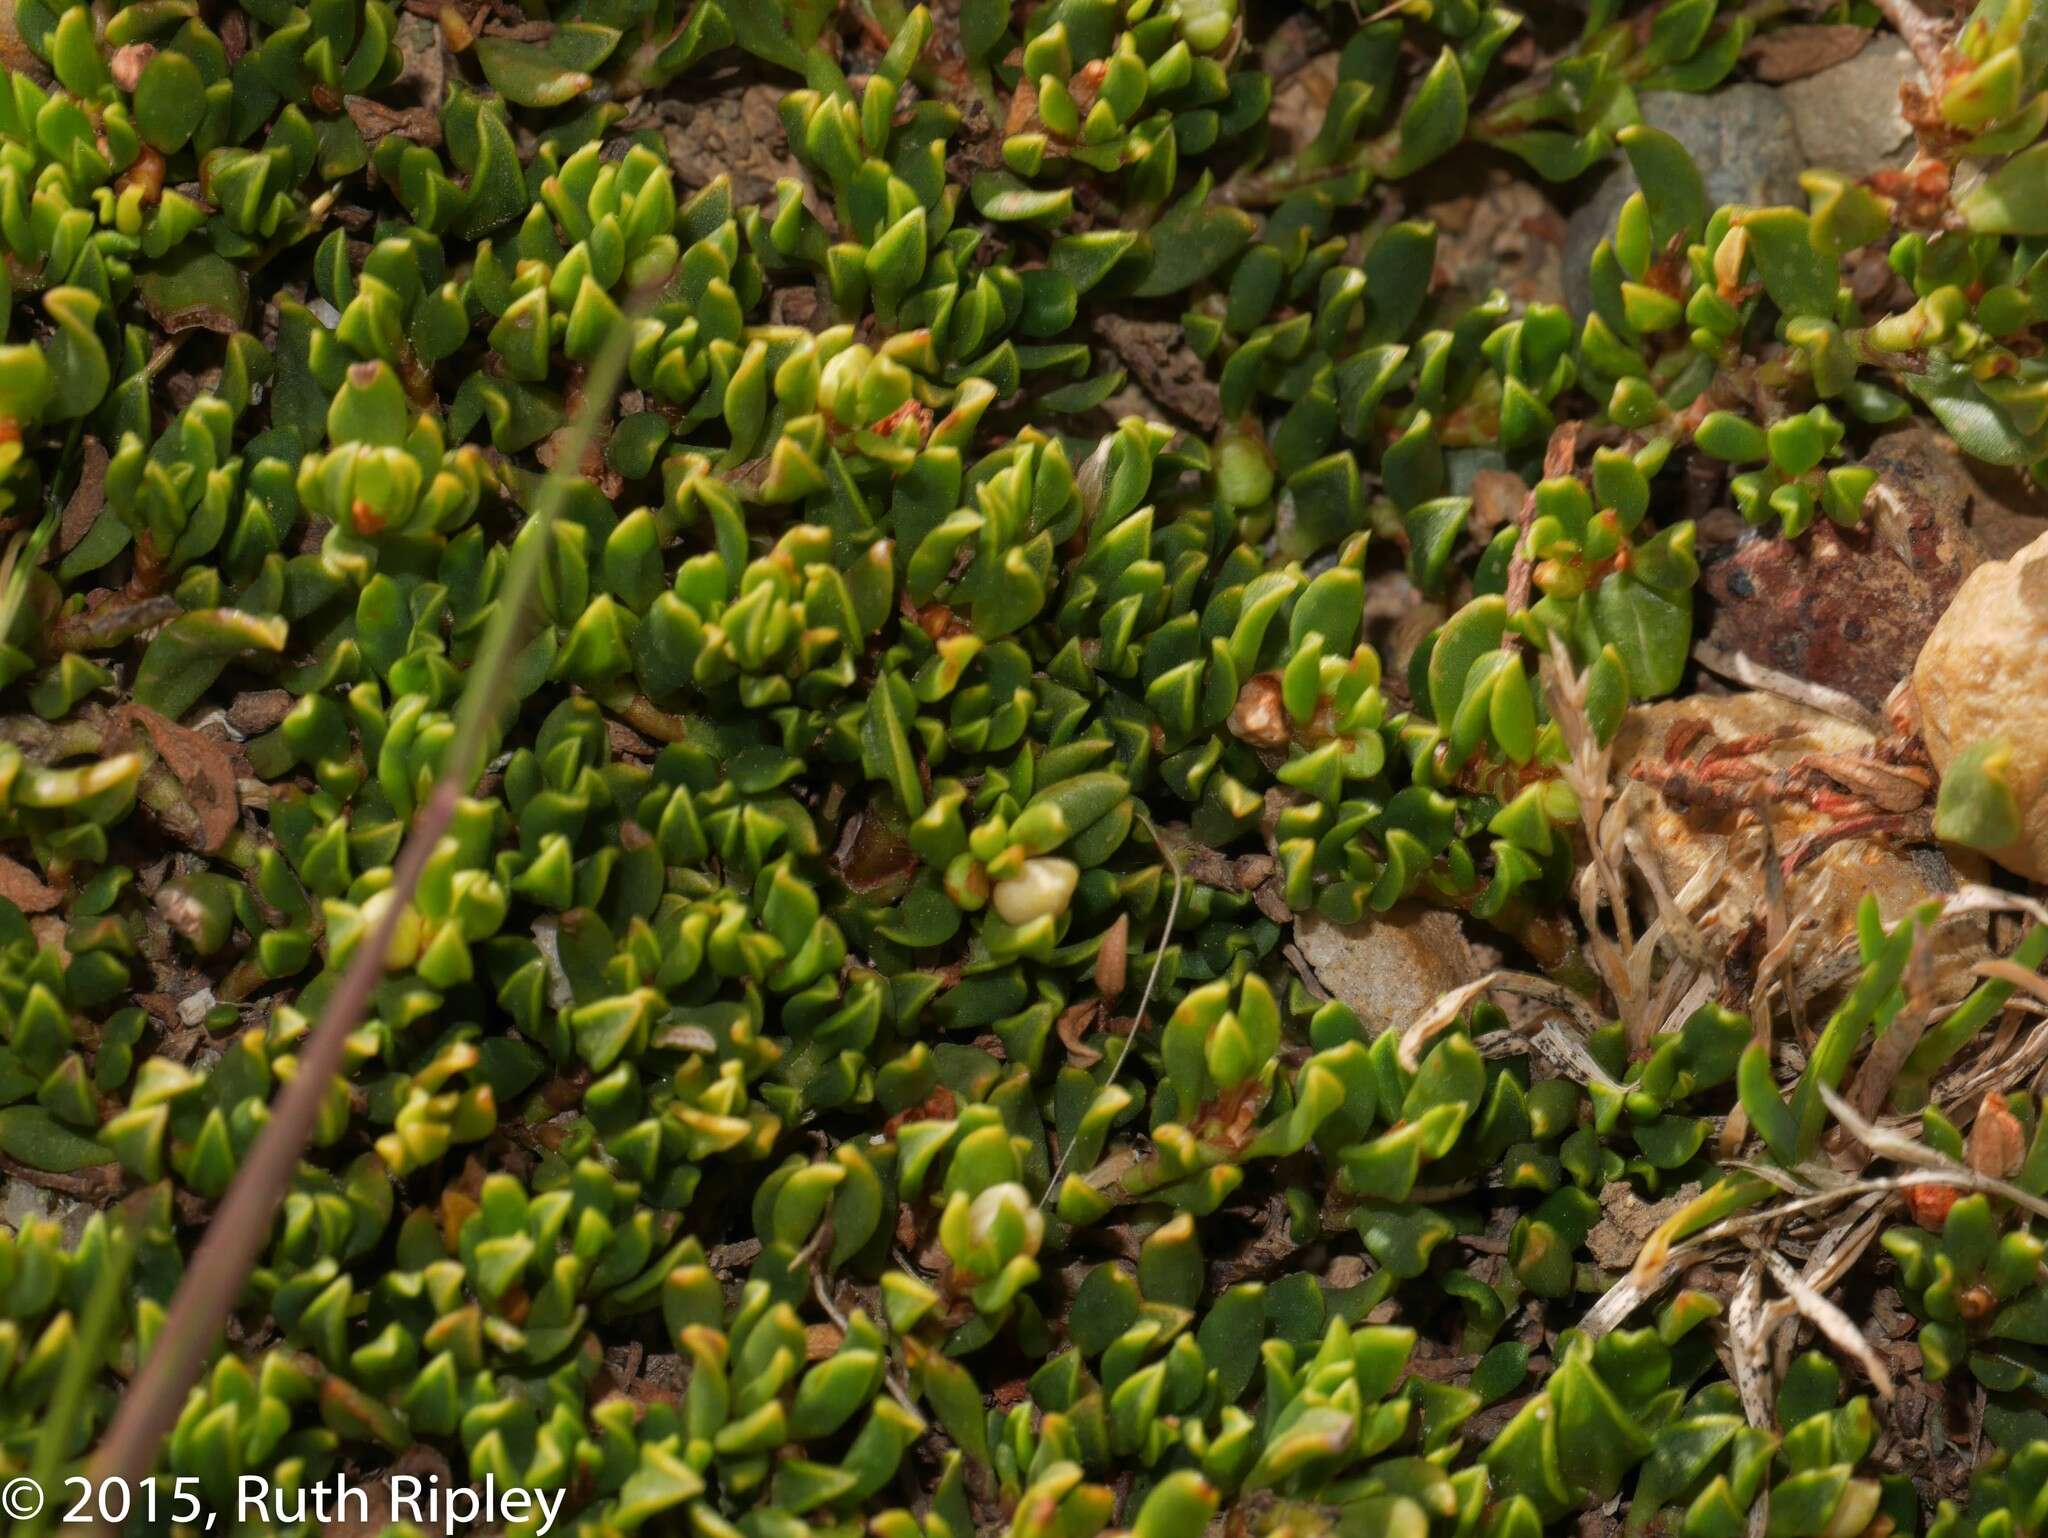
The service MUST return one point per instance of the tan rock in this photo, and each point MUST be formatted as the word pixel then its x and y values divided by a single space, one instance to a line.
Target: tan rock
pixel 1301 98
pixel 1832 886
pixel 1392 966
pixel 1984 673
pixel 1508 235
pixel 1627 1221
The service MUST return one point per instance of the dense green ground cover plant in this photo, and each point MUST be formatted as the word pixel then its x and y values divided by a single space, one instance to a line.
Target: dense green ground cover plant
pixel 847 985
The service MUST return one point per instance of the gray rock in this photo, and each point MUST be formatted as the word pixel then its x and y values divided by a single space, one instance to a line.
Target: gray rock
pixel 1848 118
pixel 21 1202
pixel 1743 140
pixel 1391 967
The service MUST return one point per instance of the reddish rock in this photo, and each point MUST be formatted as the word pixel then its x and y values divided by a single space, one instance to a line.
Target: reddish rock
pixel 1837 608
pixel 1850 608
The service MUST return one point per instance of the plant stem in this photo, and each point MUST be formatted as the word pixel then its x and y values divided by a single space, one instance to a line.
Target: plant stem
pixel 1927 37
pixel 228 1250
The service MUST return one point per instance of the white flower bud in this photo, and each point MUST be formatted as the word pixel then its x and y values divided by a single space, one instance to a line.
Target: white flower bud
pixel 1005 1218
pixel 1044 886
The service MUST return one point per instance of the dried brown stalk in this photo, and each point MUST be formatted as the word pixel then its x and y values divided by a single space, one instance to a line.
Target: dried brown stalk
pixel 219 1271
pixel 1585 772
pixel 1751 674
pixel 1927 37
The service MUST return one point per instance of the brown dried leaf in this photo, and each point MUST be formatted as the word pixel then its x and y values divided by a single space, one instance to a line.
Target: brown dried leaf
pixel 233 27
pixel 1793 53
pixel 1165 367
pixel 1023 115
pixel 374 121
pixel 202 767
pixel 1013 1392
pixel 873 860
pixel 118 618
pixel 1911 1151
pixel 1072 1024
pixel 25 889
pixel 1087 84
pixel 90 495
pixel 1112 959
pixel 1497 498
pixel 1271 899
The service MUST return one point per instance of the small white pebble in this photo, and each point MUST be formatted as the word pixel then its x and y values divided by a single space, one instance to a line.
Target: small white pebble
pixel 192 1009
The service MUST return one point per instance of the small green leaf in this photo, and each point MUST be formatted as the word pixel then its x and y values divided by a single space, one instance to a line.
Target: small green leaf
pixel 1799 278
pixel 1193 239
pixel 1650 628
pixel 32 1135
pixel 1978 807
pixel 1671 183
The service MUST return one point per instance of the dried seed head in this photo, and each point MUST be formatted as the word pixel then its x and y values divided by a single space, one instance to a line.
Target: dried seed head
pixel 128 63
pixel 1998 1143
pixel 1929 1204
